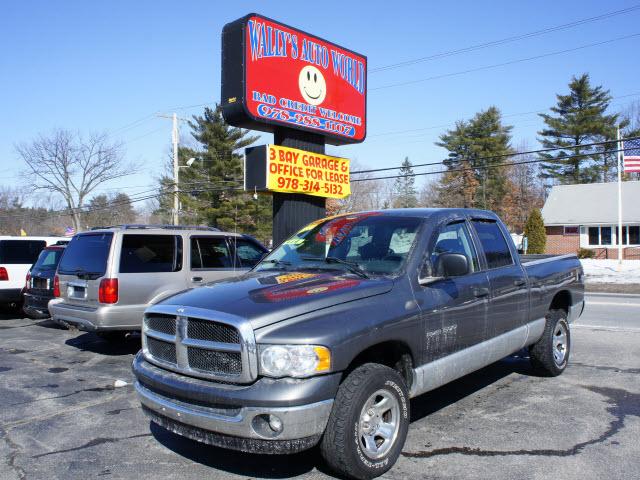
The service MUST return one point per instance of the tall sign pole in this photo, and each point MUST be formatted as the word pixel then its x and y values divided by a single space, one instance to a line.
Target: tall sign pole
pixel 308 92
pixel 620 234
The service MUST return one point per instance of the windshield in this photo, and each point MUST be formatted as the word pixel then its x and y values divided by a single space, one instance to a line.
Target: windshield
pixel 48 259
pixel 86 253
pixel 367 243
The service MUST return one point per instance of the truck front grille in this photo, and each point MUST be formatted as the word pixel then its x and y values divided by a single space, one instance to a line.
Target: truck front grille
pixel 218 349
pixel 164 351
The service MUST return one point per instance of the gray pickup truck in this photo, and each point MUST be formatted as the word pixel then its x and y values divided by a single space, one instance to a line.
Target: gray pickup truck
pixel 329 336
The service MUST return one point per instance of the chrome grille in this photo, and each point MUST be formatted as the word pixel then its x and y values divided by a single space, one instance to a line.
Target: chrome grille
pixel 164 351
pixel 213 361
pixel 161 323
pixel 200 343
pixel 212 331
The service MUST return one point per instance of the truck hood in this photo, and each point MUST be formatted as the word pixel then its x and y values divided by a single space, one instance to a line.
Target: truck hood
pixel 266 297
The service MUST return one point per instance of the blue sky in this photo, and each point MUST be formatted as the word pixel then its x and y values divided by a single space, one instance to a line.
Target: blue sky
pixel 110 66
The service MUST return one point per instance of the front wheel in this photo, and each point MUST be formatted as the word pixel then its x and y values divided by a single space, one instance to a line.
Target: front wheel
pixel 550 355
pixel 368 424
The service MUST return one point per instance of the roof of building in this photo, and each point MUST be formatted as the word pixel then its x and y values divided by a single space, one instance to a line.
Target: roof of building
pixel 591 204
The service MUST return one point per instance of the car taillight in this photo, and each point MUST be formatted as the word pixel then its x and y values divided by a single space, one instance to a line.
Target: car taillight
pixel 108 291
pixel 56 286
pixel 3 274
pixel 26 283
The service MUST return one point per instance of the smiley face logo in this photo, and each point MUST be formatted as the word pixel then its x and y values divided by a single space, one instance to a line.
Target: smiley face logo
pixel 312 85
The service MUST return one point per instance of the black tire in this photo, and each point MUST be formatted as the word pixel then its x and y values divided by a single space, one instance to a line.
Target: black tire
pixel 544 354
pixel 117 336
pixel 342 446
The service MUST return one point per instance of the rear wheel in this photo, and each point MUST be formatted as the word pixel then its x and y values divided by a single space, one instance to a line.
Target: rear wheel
pixel 368 424
pixel 550 355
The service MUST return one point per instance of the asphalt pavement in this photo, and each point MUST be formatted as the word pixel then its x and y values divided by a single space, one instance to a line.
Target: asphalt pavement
pixel 63 417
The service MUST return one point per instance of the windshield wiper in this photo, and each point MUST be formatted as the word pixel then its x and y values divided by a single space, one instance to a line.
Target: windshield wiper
pixel 353 267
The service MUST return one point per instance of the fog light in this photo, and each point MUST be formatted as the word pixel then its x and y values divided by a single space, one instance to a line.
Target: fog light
pixel 275 423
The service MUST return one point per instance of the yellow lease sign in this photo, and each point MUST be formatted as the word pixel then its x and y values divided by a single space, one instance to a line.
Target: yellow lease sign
pixel 298 171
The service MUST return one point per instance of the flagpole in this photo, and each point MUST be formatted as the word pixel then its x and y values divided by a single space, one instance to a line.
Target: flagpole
pixel 619 199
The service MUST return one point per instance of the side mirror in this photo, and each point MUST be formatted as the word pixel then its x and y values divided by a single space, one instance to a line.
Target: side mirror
pixel 452 265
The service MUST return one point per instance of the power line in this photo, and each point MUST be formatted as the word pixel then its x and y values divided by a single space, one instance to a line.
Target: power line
pixel 482 167
pixel 511 62
pixel 503 41
pixel 504 155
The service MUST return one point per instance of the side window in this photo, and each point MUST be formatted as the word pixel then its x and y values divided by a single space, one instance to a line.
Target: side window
pixel 493 243
pixel 455 238
pixel 150 253
pixel 248 252
pixel 16 252
pixel 210 252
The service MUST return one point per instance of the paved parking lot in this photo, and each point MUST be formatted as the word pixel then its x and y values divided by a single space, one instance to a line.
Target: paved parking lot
pixel 62 416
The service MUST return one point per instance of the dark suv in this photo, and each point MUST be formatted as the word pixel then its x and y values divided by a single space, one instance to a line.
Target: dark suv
pixel 39 286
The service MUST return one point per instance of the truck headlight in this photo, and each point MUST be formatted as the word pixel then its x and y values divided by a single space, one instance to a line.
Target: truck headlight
pixel 294 360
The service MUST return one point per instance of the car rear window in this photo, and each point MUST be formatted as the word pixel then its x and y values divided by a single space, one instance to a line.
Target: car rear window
pixel 86 253
pixel 14 252
pixel 151 253
pixel 48 259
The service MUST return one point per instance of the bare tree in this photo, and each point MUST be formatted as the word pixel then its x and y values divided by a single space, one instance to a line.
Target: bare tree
pixel 72 166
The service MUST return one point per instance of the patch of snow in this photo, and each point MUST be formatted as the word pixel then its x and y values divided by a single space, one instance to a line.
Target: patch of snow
pixel 608 271
pixel 120 383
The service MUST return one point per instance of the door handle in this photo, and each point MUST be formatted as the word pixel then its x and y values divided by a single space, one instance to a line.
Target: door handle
pixel 520 282
pixel 480 292
pixel 196 279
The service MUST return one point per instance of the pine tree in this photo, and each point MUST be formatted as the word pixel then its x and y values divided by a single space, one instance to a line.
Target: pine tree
pixel 475 147
pixel 535 233
pixel 579 119
pixel 404 187
pixel 209 188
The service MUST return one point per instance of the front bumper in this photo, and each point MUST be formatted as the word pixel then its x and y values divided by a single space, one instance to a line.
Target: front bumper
pixel 97 319
pixel 236 416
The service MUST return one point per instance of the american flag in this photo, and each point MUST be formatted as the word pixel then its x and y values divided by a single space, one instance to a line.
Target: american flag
pixel 69 232
pixel 631 155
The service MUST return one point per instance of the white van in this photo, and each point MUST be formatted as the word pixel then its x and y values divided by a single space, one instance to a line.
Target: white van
pixel 17 254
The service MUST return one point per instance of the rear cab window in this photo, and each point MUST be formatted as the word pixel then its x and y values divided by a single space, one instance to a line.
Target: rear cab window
pixel 17 252
pixel 48 259
pixel 210 253
pixel 87 253
pixel 150 253
pixel 495 246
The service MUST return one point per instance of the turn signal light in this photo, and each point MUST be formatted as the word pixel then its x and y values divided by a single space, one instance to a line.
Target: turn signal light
pixel 108 291
pixel 3 274
pixel 56 286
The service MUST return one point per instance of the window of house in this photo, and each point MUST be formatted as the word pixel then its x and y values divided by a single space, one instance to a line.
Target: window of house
pixel 634 235
pixel 571 230
pixel 605 235
pixel 594 235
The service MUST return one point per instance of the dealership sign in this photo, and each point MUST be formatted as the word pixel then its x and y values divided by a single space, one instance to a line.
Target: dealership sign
pixel 274 168
pixel 275 76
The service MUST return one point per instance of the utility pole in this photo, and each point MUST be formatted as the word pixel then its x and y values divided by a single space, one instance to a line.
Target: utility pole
pixel 619 199
pixel 175 138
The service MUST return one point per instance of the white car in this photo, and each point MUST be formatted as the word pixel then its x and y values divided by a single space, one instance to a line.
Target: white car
pixel 17 254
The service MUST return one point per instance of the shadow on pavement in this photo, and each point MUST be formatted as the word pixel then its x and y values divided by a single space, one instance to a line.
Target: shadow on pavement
pixel 239 463
pixel 282 466
pixel 90 342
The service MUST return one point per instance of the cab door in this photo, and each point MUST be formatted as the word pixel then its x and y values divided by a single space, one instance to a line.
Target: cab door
pixel 509 291
pixel 454 308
